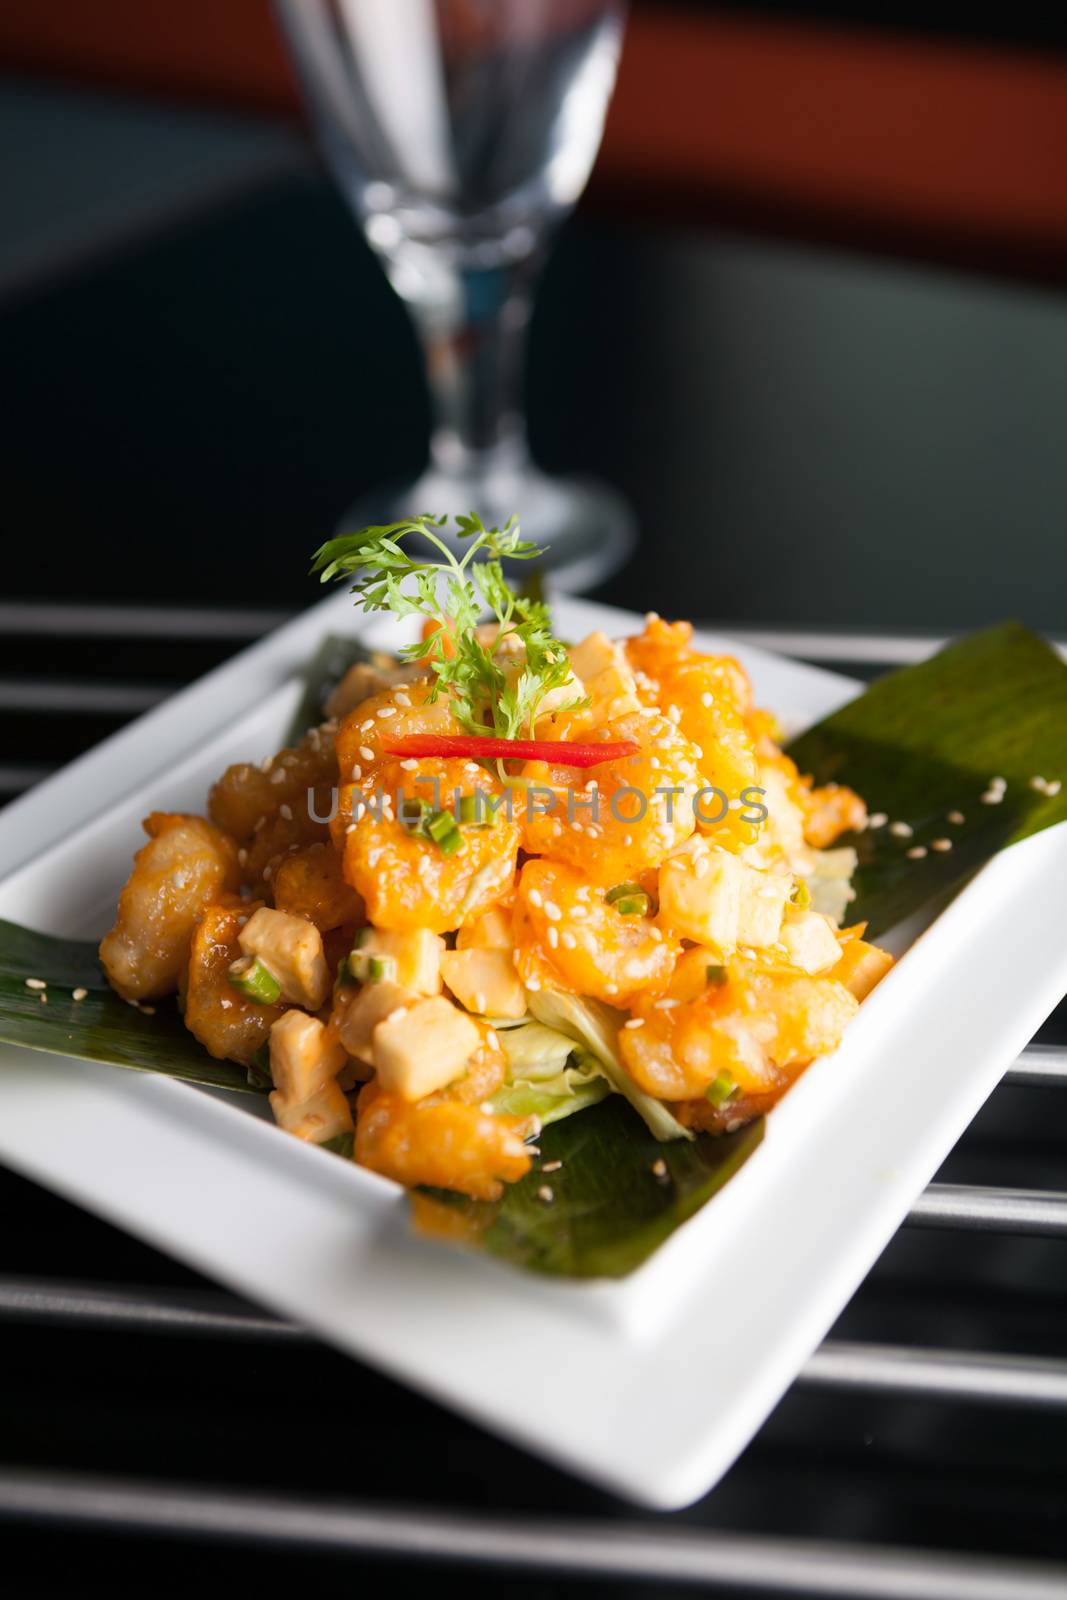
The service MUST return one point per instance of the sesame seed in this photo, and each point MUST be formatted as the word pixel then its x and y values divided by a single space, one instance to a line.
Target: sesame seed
pixel 901 830
pixel 941 844
pixel 917 852
pixel 552 911
pixel 43 998
pixel 665 1005
pixel 366 752
pixel 552 1166
pixel 553 938
pixel 533 984
pixel 351 828
pixel 611 988
pixel 357 773
pixel 401 698
pixel 956 818
pixel 635 1022
pixel 877 819
pixel 410 765
pixel 992 797
pixel 1038 783
pixel 545 1194
pixel 1053 787
pixel 225 1004
pixel 535 897
pixel 365 725
pixel 659 1169
pixel 79 994
pixel 386 711
pixel 36 983
pixel 479 1003
pixel 286 811
pixel 267 871
pixel 706 700
pixel 149 1011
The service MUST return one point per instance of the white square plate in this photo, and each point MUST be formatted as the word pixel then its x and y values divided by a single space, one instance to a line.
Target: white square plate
pixel 650 1386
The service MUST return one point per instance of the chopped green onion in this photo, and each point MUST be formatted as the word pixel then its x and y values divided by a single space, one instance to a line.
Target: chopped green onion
pixel 634 905
pixel 444 832
pixel 622 891
pixel 366 967
pixel 471 810
pixel 360 937
pixel 256 982
pixel 721 1088
pixel 716 976
pixel 801 895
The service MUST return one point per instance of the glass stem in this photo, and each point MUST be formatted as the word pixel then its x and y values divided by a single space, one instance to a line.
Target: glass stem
pixel 472 322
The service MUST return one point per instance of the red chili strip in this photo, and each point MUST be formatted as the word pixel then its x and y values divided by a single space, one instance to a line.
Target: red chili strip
pixel 476 748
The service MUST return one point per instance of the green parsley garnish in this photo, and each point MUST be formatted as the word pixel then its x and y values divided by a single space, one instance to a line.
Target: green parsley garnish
pixel 456 593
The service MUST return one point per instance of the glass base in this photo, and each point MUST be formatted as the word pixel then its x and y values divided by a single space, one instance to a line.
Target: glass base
pixel 587 528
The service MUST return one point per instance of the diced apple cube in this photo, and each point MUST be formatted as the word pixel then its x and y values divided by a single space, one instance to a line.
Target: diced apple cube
pixel 324 1116
pixel 423 1048
pixel 364 1010
pixel 302 1056
pixel 605 674
pixel 485 981
pixel 810 941
pixel 700 894
pixel 417 953
pixel 763 899
pixel 291 948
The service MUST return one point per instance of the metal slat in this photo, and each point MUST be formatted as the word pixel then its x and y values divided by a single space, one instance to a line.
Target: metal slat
pixel 70 698
pixel 1041 1066
pixel 977 1207
pixel 92 621
pixel 15 778
pixel 897 1369
pixel 528 1545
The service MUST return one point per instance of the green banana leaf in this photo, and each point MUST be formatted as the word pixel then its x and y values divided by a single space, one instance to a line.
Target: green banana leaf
pixel 617 1195
pixel 925 742
pixel 323 673
pixel 919 744
pixel 101 1027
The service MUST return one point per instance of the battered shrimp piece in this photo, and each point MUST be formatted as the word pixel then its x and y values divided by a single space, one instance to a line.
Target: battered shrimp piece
pixel 750 1023
pixel 186 865
pixel 395 713
pixel 311 884
pixel 570 938
pixel 623 817
pixel 229 1026
pixel 444 1143
pixel 247 794
pixel 710 699
pixel 404 878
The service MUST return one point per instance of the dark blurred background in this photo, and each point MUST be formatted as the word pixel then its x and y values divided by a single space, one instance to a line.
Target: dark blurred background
pixel 811 317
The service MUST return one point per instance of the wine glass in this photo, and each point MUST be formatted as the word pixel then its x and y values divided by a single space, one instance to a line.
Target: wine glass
pixel 462 131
